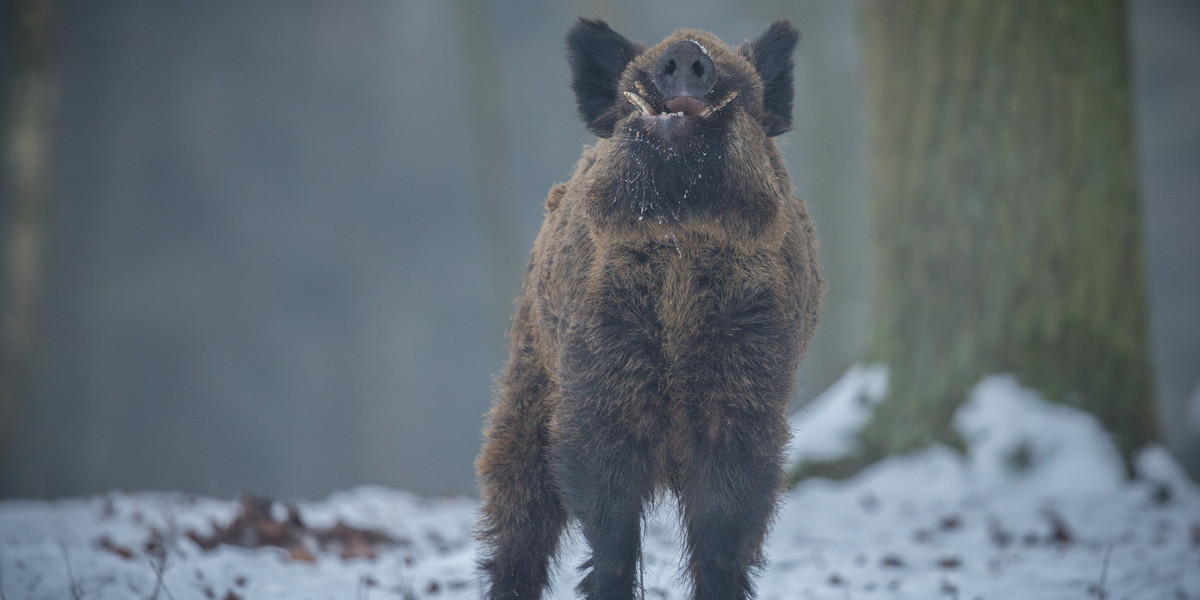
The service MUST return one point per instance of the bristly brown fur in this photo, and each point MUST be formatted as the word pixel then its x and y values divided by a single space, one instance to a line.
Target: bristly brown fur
pixel 669 298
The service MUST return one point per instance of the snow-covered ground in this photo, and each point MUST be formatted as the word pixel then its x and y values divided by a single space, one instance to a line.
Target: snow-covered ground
pixel 1037 508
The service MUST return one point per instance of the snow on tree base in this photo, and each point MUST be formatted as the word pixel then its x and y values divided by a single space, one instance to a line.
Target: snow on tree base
pixel 1036 509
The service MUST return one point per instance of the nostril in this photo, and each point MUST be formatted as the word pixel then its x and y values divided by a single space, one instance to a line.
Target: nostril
pixel 684 69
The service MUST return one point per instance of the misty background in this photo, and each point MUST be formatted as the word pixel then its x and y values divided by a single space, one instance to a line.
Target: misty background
pixel 281 241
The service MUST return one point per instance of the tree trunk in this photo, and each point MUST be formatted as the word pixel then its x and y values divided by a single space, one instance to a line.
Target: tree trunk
pixel 26 42
pixel 1005 212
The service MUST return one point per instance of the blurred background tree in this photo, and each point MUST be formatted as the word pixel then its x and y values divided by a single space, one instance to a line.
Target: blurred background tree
pixel 1005 212
pixel 28 105
pixel 279 242
pixel 282 241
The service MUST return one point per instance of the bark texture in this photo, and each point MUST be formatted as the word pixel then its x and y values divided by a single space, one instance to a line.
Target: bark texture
pixel 27 36
pixel 1005 212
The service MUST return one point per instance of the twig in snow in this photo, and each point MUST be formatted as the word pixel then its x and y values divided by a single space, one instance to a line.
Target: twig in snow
pixel 1104 569
pixel 156 549
pixel 405 591
pixel 365 583
pixel 2 596
pixel 1098 589
pixel 74 585
pixel 33 585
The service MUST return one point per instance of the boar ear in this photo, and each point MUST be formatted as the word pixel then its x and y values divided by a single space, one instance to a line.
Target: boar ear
pixel 771 55
pixel 598 56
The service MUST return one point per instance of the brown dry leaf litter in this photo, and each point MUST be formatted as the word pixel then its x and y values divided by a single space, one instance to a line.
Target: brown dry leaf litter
pixel 256 526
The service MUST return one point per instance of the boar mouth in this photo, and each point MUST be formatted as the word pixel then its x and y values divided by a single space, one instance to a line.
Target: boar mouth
pixel 680 106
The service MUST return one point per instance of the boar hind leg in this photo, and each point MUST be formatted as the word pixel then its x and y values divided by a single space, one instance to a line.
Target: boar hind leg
pixel 604 461
pixel 605 483
pixel 728 498
pixel 738 374
pixel 608 435
pixel 522 517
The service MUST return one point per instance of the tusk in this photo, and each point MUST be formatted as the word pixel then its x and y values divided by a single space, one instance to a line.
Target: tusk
pixel 641 103
pixel 714 108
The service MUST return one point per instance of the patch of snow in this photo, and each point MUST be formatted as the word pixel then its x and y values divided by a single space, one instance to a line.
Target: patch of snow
pixel 935 524
pixel 825 428
pixel 1015 438
pixel 1155 464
